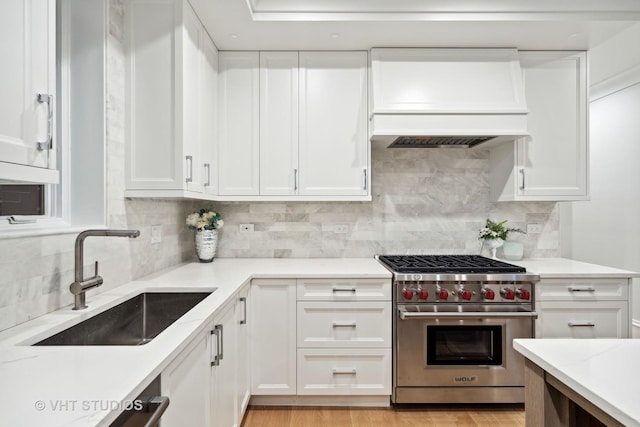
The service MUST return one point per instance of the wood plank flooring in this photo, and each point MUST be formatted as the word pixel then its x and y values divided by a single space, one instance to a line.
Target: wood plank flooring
pixel 438 416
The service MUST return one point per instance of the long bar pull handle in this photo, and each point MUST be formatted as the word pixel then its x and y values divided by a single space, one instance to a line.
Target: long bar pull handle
pixel 587 289
pixel 522 174
pixel 344 371
pixel 587 324
pixel 48 144
pixel 364 181
pixel 243 300
pixel 163 404
pixel 336 289
pixel 207 166
pixel 190 166
pixel 344 324
pixel 217 331
pixel 295 180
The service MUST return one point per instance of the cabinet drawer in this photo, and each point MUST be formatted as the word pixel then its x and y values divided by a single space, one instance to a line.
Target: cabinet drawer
pixel 342 371
pixel 344 289
pixel 604 319
pixel 582 289
pixel 336 324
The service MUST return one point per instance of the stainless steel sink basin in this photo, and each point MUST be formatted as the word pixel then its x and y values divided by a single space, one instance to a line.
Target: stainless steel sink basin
pixel 134 322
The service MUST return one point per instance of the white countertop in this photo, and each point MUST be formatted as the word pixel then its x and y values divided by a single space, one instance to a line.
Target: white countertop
pixel 603 371
pixel 86 385
pixel 74 383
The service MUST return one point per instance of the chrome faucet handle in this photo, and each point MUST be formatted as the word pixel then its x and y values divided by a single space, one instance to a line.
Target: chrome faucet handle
pixel 96 270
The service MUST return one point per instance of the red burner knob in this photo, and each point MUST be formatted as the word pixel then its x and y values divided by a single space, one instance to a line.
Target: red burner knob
pixel 488 294
pixel 408 294
pixel 508 294
pixel 423 294
pixel 443 294
pixel 524 294
pixel 465 294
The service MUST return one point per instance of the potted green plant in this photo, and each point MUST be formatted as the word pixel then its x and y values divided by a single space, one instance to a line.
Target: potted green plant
pixel 493 234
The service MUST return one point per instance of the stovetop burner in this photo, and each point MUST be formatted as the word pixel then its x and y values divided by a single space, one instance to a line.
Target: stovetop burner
pixel 448 264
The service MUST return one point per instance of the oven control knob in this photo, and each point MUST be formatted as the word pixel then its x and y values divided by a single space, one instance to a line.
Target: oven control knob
pixel 443 294
pixel 508 294
pixel 407 294
pixel 488 294
pixel 423 294
pixel 523 294
pixel 465 294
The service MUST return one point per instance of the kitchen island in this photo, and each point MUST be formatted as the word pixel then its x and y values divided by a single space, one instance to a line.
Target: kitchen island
pixel 568 381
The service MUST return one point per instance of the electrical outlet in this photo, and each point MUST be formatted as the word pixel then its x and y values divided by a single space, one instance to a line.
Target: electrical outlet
pixel 341 228
pixel 246 228
pixel 156 234
pixel 534 228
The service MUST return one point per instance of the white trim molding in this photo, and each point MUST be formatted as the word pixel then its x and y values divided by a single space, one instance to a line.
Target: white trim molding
pixel 615 83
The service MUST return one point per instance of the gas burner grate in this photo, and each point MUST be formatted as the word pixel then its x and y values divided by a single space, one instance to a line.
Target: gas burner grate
pixel 447 264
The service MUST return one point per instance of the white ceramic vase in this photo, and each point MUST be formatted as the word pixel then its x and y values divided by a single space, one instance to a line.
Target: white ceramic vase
pixel 206 244
pixel 493 244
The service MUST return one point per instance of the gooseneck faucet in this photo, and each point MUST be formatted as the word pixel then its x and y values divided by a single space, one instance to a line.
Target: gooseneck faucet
pixel 80 285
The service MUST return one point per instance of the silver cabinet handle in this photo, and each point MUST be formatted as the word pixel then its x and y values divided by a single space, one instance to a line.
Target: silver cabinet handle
pixel 352 290
pixel 344 371
pixel 344 324
pixel 190 166
pixel 207 166
pixel 48 144
pixel 588 289
pixel 295 180
pixel 522 174
pixel 587 324
pixel 217 331
pixel 243 300
pixel 407 315
pixel 364 181
pixel 163 404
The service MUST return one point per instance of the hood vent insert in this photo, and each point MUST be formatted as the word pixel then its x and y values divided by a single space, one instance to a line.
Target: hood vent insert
pixel 438 141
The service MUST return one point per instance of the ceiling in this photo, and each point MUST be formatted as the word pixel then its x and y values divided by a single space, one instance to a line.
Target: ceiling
pixel 362 24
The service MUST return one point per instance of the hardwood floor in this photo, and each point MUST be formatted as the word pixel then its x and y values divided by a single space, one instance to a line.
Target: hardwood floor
pixel 494 416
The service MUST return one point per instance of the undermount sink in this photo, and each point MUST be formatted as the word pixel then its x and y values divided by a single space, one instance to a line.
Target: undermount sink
pixel 135 321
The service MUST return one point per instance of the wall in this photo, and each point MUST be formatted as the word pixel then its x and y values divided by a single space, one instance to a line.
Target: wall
pixel 35 272
pixel 424 201
pixel 606 230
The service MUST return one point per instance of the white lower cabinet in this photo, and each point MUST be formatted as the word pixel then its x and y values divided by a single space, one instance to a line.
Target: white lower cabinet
pixel 243 391
pixel 273 337
pixel 340 371
pixel 583 308
pixel 223 369
pixel 186 382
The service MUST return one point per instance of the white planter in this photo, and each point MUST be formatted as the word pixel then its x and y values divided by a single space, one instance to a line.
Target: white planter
pixel 206 244
pixel 493 244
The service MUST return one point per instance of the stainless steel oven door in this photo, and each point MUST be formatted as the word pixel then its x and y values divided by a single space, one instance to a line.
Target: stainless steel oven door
pixel 445 346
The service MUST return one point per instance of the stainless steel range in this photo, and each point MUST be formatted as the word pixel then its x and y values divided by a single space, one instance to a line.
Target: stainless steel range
pixel 455 319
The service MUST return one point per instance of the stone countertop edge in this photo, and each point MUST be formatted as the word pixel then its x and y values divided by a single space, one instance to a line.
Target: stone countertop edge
pixel 599 369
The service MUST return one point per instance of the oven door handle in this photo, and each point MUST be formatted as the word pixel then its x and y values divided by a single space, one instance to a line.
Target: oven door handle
pixel 406 315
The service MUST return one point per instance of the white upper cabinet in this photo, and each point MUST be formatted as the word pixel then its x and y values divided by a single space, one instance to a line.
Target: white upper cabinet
pixel 278 123
pixel 171 102
pixel 333 124
pixel 552 162
pixel 239 137
pixel 27 119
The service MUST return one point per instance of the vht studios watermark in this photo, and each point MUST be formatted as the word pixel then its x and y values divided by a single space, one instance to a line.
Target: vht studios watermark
pixel 64 405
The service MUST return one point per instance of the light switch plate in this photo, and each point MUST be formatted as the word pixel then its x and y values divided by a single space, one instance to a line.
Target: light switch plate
pixel 156 234
pixel 534 228
pixel 246 228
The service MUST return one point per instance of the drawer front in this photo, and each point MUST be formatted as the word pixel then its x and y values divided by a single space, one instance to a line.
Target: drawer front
pixel 344 371
pixel 336 324
pixel 582 289
pixel 344 290
pixel 604 319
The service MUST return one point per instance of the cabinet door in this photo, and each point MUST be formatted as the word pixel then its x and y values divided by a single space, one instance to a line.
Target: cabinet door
pixel 186 382
pixel 209 115
pixel 273 337
pixel 238 142
pixel 223 370
pixel 553 158
pixel 601 319
pixel 278 123
pixel 243 393
pixel 333 123
pixel 27 43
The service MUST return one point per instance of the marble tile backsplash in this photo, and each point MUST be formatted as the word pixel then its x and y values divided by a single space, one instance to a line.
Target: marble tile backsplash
pixel 424 201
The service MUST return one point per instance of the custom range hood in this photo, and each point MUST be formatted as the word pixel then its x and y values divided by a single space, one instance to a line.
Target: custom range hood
pixel 445 97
